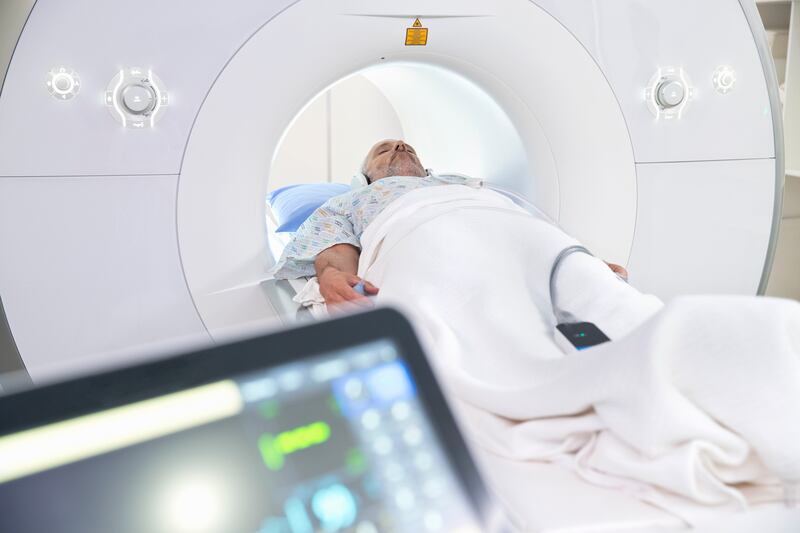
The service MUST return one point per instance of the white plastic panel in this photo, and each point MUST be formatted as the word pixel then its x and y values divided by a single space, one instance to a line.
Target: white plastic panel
pixel 185 42
pixel 360 114
pixel 702 227
pixel 576 160
pixel 631 39
pixel 327 140
pixel 454 125
pixel 304 149
pixel 91 265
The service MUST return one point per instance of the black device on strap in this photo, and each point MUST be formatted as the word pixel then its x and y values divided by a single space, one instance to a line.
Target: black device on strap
pixel 571 333
pixel 581 335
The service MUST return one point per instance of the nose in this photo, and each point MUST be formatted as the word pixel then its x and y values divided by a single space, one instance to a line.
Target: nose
pixel 401 146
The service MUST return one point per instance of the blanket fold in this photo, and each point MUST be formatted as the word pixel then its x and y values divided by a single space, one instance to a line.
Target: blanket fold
pixel 693 406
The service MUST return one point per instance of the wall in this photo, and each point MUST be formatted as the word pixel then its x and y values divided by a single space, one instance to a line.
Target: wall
pixel 13 14
pixel 782 22
pixel 785 278
pixel 330 137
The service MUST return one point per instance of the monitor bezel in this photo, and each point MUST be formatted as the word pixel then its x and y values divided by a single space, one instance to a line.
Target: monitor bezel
pixel 89 394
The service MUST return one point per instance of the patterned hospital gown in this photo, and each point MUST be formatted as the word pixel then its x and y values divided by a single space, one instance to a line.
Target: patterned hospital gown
pixel 343 218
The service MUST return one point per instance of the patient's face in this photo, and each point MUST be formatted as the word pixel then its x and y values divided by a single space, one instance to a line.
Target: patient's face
pixel 392 158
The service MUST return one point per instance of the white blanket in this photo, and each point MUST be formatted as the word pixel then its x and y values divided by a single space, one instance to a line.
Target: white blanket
pixel 693 407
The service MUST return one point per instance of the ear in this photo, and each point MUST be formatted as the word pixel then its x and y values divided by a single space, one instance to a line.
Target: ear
pixel 359 180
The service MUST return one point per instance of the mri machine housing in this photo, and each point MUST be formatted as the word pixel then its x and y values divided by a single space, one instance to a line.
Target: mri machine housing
pixel 116 238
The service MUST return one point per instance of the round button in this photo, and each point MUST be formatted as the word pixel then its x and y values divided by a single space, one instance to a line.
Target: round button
pixel 670 93
pixel 724 79
pixel 135 97
pixel 63 83
pixel 138 99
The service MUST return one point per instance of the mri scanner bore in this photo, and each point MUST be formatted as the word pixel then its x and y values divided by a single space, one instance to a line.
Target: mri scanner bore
pixel 135 159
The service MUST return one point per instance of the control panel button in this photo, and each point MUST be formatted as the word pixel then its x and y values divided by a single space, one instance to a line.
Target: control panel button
pixel 723 79
pixel 670 93
pixel 136 98
pixel 63 83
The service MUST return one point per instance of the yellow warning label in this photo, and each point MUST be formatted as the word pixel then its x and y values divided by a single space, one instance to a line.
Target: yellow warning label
pixel 416 35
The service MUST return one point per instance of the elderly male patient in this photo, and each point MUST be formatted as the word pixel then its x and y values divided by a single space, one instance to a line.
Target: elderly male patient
pixel 328 243
pixel 657 409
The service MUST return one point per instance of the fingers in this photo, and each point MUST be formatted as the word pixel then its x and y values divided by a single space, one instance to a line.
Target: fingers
pixel 350 306
pixel 619 270
pixel 343 289
pixel 345 294
pixel 370 288
pixel 355 303
pixel 352 296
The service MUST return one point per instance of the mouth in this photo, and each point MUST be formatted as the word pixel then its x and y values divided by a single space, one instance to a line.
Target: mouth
pixel 397 153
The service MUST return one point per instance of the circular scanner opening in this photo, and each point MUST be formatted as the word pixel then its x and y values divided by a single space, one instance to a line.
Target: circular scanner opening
pixel 454 125
pixel 469 112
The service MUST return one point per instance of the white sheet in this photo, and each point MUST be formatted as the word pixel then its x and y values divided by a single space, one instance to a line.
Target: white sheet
pixel 693 407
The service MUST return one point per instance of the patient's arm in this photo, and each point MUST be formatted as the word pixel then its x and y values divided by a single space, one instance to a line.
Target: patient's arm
pixel 336 270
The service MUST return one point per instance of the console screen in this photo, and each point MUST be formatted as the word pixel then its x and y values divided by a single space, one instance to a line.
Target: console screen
pixel 339 442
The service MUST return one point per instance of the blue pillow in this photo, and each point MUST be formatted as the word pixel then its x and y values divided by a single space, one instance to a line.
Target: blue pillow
pixel 293 204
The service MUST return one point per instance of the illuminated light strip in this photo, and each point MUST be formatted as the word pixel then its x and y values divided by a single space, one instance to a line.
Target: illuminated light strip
pixel 53 445
pixel 154 85
pixel 688 89
pixel 653 89
pixel 114 98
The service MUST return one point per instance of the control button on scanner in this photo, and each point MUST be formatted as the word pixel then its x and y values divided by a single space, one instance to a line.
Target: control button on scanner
pixel 724 79
pixel 138 99
pixel 670 93
pixel 63 83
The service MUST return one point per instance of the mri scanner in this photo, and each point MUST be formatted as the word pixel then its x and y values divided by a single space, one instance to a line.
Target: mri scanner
pixel 136 140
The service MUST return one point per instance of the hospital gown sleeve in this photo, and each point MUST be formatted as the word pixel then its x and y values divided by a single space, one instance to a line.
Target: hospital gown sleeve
pixel 330 224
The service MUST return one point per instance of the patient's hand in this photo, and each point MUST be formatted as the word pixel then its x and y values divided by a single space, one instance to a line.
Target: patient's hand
pixel 618 270
pixel 337 288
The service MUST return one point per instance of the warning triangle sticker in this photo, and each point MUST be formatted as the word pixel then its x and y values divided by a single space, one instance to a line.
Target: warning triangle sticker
pixel 417 24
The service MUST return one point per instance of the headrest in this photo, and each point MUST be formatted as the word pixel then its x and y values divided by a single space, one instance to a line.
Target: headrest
pixel 293 204
pixel 359 180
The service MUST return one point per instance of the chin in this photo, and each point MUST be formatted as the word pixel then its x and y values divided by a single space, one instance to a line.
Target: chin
pixel 406 171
